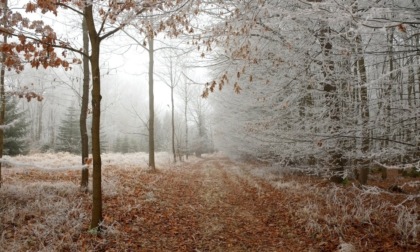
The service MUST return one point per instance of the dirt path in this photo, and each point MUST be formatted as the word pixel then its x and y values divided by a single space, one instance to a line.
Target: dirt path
pixel 207 206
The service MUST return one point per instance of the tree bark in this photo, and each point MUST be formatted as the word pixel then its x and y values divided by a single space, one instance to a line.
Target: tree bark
pixel 388 88
pixel 186 99
pixel 173 120
pixel 40 112
pixel 84 109
pixel 336 161
pixel 96 119
pixel 364 169
pixel 187 150
pixel 151 104
pixel 3 98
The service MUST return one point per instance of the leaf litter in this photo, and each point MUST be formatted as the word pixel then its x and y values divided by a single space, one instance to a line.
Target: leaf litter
pixel 208 204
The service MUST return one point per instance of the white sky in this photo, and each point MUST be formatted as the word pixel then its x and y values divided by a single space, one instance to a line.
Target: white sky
pixel 120 56
pixel 124 69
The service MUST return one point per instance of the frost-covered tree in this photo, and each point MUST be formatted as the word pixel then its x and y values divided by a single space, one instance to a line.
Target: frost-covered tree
pixel 322 83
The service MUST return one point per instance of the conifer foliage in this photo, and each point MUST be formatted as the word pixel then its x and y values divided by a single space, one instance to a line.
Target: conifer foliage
pixel 14 141
pixel 69 139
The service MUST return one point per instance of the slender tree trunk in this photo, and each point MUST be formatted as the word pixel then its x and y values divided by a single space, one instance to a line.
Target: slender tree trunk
pixel 173 121
pixel 306 103
pixel 201 134
pixel 40 112
pixel 411 96
pixel 2 112
pixel 186 121
pixel 410 99
pixel 2 97
pixel 84 109
pixel 416 128
pixel 336 157
pixel 151 104
pixel 52 129
pixel 96 119
pixel 364 169
pixel 388 88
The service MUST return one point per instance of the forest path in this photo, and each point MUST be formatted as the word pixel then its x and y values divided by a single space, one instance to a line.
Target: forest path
pixel 205 204
pixel 209 205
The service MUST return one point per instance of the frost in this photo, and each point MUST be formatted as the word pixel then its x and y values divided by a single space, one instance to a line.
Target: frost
pixel 9 125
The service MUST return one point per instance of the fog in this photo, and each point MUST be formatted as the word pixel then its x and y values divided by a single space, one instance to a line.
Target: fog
pixel 124 88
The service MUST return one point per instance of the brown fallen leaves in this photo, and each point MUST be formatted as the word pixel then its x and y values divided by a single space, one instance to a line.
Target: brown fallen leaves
pixel 217 205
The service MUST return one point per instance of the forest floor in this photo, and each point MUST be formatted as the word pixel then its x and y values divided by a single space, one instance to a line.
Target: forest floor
pixel 208 204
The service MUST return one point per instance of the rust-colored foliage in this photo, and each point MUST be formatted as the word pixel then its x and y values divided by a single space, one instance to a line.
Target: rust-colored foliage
pixel 26 93
pixel 34 42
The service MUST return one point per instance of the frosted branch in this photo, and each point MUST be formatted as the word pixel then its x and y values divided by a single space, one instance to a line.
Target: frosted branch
pixel 9 125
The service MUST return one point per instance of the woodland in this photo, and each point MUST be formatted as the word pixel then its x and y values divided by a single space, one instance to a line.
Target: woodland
pixel 208 125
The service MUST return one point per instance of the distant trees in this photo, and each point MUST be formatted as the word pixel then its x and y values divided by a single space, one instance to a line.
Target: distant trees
pixel 172 78
pixel 36 41
pixel 69 139
pixel 125 144
pixel 184 92
pixel 199 113
pixel 15 136
pixel 321 83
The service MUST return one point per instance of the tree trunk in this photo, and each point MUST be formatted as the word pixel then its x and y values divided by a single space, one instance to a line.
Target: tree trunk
pixel 2 97
pixel 388 88
pixel 2 111
pixel 416 128
pixel 186 122
pixel 84 109
pixel 364 169
pixel 40 110
pixel 151 105
pixel 201 135
pixel 336 157
pixel 51 127
pixel 173 120
pixel 96 115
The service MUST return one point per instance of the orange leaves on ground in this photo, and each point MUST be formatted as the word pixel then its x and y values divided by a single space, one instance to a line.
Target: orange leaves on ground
pixel 217 205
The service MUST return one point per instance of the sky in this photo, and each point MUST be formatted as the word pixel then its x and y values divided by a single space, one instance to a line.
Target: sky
pixel 124 69
pixel 120 56
pixel 123 62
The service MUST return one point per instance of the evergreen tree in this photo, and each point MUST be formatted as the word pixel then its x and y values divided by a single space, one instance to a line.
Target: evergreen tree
pixel 125 147
pixel 122 145
pixel 117 145
pixel 69 139
pixel 14 136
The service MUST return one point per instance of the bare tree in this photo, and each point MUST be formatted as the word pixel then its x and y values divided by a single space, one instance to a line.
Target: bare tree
pixel 151 50
pixel 84 109
pixel 171 78
pixel 2 89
